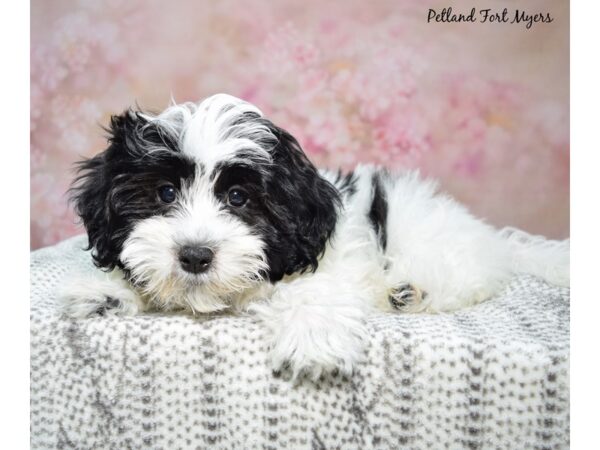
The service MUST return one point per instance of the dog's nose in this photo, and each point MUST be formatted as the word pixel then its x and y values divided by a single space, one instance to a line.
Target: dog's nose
pixel 195 259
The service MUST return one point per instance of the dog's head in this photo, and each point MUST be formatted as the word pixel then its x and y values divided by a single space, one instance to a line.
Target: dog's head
pixel 202 202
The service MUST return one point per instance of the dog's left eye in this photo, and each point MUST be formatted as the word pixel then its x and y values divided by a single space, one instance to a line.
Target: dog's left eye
pixel 167 193
pixel 237 197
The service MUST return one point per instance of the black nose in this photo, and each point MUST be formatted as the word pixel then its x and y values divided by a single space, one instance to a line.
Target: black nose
pixel 195 259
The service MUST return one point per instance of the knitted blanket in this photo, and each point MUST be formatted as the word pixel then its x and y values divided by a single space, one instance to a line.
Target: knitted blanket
pixel 491 376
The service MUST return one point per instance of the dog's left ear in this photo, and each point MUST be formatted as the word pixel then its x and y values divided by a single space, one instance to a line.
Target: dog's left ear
pixel 302 203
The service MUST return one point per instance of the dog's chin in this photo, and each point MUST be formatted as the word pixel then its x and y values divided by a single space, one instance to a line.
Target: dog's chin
pixel 197 297
pixel 195 293
pixel 209 292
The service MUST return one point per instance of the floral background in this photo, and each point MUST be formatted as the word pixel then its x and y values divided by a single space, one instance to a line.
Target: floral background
pixel 483 107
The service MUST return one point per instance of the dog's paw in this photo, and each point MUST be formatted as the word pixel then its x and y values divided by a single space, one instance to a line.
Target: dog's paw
pixel 296 366
pixel 98 295
pixel 307 351
pixel 406 296
pixel 93 305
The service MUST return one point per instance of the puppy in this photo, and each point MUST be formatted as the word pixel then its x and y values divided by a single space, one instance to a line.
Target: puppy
pixel 209 207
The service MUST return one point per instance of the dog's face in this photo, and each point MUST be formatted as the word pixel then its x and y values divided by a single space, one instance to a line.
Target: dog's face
pixel 202 202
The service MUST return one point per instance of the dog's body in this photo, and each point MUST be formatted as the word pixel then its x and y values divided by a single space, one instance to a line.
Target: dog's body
pixel 210 207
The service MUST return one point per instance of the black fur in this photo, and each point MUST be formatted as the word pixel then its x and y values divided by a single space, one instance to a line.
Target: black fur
pixel 119 186
pixel 291 206
pixel 379 210
pixel 345 183
pixel 303 205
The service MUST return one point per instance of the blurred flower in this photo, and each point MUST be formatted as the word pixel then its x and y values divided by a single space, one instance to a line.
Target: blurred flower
pixel 353 81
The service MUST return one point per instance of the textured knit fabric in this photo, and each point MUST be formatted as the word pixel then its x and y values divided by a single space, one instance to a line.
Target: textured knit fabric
pixel 491 376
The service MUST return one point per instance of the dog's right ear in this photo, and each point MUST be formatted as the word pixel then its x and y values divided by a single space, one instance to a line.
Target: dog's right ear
pixel 93 188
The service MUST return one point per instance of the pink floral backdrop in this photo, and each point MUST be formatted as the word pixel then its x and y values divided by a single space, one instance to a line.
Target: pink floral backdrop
pixel 482 107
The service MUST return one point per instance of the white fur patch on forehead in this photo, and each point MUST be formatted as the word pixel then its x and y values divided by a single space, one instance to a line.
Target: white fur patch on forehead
pixel 221 127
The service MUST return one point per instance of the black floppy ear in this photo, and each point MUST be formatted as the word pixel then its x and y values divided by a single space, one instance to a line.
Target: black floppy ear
pixel 92 190
pixel 303 203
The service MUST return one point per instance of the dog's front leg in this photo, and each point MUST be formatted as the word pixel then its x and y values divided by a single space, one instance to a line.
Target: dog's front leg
pixel 316 325
pixel 99 293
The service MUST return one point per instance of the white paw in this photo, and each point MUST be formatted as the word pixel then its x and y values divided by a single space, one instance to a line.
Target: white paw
pixel 313 363
pixel 98 295
pixel 310 344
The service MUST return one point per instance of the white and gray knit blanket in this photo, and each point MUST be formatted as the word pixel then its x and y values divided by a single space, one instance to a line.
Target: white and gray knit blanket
pixel 492 376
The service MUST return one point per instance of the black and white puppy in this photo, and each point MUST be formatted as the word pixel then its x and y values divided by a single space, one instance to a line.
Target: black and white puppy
pixel 210 206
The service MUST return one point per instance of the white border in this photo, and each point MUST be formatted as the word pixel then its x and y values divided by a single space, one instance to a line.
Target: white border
pixel 585 224
pixel 14 249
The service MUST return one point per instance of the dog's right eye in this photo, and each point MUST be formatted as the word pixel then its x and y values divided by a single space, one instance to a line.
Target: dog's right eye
pixel 237 197
pixel 167 193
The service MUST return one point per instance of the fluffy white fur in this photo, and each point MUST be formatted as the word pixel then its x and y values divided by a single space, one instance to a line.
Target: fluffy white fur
pixel 151 253
pixel 208 132
pixel 437 251
pixel 87 295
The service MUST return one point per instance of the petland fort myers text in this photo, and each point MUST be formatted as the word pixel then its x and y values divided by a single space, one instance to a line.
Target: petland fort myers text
pixel 518 16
